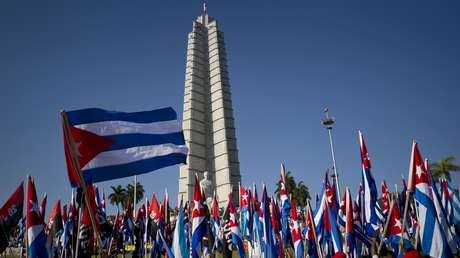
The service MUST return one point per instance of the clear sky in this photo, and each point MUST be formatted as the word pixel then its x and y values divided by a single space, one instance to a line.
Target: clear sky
pixel 391 69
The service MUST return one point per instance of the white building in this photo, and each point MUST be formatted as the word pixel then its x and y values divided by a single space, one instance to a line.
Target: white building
pixel 208 122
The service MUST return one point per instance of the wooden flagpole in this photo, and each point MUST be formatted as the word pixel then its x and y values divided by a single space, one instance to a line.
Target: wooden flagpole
pixel 76 164
pixel 406 203
pixel 386 226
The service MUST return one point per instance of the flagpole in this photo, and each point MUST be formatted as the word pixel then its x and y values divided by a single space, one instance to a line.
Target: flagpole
pixel 26 236
pixel 328 122
pixel 76 165
pixel 406 203
pixel 386 226
pixel 134 206
pixel 318 248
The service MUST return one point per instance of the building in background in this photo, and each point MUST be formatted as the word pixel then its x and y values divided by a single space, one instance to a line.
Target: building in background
pixel 208 121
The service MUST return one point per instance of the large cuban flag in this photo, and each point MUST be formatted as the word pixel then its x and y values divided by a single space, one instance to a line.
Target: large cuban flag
pixel 111 144
pixel 433 239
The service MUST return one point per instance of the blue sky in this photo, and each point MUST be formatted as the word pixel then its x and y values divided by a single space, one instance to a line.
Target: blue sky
pixel 390 69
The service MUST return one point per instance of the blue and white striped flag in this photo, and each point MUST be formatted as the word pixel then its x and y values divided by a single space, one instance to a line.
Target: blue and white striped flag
pixel 432 234
pixel 112 144
pixel 371 219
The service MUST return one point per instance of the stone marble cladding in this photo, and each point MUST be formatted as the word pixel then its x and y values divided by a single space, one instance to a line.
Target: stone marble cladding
pixel 208 120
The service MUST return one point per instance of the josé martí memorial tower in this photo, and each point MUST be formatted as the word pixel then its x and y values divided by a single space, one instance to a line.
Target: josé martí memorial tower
pixel 208 121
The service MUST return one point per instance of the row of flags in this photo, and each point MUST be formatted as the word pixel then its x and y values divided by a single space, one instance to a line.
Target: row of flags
pixel 255 228
pixel 102 145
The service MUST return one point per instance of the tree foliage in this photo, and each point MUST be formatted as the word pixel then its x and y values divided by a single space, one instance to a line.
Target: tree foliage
pixel 298 190
pixel 124 195
pixel 443 167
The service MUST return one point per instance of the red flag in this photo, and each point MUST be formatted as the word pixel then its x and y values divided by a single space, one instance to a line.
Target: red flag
pixel 244 198
pixel 394 225
pixel 43 206
pixel 154 210
pixel 215 209
pixel 165 208
pixel 55 219
pixel 13 206
pixel 418 172
pixel 33 211
pixel 11 214
pixel 385 198
pixel 140 215
pixel 295 228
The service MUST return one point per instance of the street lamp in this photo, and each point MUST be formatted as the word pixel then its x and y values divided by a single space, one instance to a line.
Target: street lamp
pixel 328 122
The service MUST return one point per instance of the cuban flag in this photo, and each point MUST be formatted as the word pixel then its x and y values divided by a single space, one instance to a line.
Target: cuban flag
pixel 385 199
pixel 285 206
pixel 394 230
pixel 361 236
pixel 448 229
pixel 35 225
pixel 433 239
pixel 199 224
pixel 333 232
pixel 215 225
pixel 66 234
pixel 350 241
pixel 310 233
pixel 370 191
pixel 244 209
pixel 296 232
pixel 451 202
pixel 258 229
pixel 276 226
pixel 237 240
pixel 320 210
pixel 111 144
pixel 269 241
pixel 341 215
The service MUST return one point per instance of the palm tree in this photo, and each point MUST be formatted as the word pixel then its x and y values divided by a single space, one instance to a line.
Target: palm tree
pixel 130 192
pixel 298 190
pixel 301 194
pixel 443 167
pixel 118 196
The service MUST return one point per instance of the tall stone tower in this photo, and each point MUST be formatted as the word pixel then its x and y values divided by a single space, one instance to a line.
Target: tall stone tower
pixel 208 122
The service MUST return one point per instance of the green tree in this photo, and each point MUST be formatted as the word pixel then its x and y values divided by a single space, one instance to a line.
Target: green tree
pixel 117 196
pixel 443 167
pixel 130 193
pixel 298 190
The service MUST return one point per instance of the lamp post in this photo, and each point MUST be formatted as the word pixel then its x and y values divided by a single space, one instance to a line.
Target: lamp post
pixel 328 122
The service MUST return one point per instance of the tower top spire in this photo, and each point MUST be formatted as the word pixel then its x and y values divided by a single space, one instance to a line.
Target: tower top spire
pixel 205 8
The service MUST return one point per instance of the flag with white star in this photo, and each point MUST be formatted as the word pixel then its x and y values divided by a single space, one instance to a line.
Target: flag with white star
pixel 111 144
